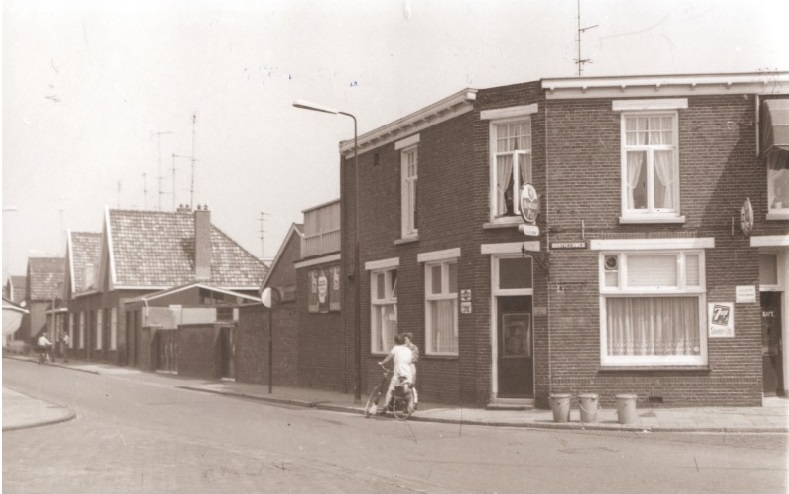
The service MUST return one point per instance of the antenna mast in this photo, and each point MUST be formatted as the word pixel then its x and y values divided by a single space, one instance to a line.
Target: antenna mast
pixel 581 61
pixel 263 234
pixel 160 177
pixel 192 188
pixel 144 191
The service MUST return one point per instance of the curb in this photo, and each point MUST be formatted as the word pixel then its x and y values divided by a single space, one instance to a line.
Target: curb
pixel 65 418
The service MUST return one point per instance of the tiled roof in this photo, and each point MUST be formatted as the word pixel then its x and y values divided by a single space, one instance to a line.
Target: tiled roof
pixel 85 248
pixel 156 249
pixel 44 274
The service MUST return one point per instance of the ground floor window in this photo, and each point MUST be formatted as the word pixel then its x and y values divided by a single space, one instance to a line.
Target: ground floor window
pixel 652 308
pixel 441 308
pixel 383 285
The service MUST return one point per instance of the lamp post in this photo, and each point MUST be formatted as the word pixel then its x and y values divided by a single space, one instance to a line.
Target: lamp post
pixel 357 344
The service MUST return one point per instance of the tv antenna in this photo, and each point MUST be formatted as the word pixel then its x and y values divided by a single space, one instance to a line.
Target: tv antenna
pixel 144 191
pixel 192 188
pixel 160 177
pixel 581 61
pixel 263 234
pixel 173 170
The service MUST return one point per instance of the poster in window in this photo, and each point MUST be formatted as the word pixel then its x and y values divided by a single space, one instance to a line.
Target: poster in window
pixel 334 292
pixel 517 334
pixel 323 292
pixel 312 291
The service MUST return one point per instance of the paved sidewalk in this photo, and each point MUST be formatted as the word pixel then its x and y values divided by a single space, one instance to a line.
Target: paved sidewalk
pixel 772 417
pixel 21 411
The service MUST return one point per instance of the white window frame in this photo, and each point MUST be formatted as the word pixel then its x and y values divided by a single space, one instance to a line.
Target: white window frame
pixel 114 328
pixel 444 295
pixel 409 174
pixel 774 212
pixel 622 290
pixel 390 298
pixel 505 116
pixel 99 332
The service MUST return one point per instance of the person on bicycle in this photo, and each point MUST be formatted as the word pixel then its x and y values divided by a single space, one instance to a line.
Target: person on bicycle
pixel 402 357
pixel 44 348
pixel 409 336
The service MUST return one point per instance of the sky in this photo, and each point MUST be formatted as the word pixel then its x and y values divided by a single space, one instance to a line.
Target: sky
pixel 97 96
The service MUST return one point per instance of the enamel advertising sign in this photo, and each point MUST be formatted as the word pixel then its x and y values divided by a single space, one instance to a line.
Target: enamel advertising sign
pixel 530 204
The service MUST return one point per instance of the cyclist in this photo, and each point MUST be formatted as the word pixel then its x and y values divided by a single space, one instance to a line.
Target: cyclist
pixel 409 336
pixel 402 357
pixel 44 348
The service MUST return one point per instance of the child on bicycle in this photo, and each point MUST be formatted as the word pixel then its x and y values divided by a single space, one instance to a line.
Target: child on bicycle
pixel 402 357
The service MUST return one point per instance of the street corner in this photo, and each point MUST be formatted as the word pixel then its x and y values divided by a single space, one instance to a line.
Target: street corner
pixel 21 411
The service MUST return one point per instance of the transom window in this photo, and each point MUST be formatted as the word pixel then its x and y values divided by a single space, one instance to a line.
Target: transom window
pixel 383 285
pixel 652 308
pixel 441 308
pixel 650 168
pixel 510 165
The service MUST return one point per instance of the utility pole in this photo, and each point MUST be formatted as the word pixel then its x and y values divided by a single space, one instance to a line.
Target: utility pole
pixel 263 234
pixel 581 61
pixel 144 191
pixel 160 177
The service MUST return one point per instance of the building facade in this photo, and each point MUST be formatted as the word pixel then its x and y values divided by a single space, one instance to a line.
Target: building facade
pixel 658 253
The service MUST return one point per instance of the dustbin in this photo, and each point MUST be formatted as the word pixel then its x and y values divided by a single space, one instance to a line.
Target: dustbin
pixel 626 408
pixel 560 406
pixel 588 405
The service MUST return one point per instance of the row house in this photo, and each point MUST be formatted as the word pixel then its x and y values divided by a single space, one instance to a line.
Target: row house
pixel 658 263
pixel 43 299
pixel 15 291
pixel 139 253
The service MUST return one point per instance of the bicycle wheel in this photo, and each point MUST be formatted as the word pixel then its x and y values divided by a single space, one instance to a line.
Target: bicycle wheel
pixel 372 402
pixel 405 407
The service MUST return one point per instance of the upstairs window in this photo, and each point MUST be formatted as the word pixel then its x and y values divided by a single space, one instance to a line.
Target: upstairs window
pixel 778 183
pixel 408 165
pixel 650 168
pixel 510 165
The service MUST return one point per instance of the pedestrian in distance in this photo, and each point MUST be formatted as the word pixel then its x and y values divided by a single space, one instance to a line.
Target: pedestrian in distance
pixel 44 348
pixel 65 340
pixel 402 357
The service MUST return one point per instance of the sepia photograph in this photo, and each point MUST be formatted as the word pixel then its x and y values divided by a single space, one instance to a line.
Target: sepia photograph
pixel 434 246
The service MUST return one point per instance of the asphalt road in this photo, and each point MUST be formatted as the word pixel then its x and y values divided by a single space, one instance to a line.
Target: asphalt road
pixel 141 433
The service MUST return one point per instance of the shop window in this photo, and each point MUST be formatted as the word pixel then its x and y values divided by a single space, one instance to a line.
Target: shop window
pixel 383 319
pixel 778 184
pixel 652 308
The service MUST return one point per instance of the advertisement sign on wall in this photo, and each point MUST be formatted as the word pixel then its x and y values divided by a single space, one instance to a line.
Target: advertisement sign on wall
pixel 721 319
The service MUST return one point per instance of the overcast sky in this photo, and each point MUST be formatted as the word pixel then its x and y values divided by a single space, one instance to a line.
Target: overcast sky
pixel 88 84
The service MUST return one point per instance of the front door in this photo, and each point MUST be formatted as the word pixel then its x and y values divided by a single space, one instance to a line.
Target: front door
pixel 515 335
pixel 227 352
pixel 772 357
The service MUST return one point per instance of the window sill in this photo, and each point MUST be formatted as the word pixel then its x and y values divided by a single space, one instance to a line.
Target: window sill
pixel 438 357
pixel 512 222
pixel 406 240
pixel 635 220
pixel 663 369
pixel 778 215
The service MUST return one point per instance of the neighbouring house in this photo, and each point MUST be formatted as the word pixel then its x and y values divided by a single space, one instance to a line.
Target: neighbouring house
pixel 81 292
pixel 144 252
pixel 15 290
pixel 655 259
pixel 189 329
pixel 43 297
pixel 257 324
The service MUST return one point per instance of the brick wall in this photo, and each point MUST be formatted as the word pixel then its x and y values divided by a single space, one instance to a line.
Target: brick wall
pixel 718 170
pixel 252 336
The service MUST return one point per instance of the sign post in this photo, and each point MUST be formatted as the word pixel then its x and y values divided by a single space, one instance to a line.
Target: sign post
pixel 270 297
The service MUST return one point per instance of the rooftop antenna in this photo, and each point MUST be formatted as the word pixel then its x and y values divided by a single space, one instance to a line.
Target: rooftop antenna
pixel 144 191
pixel 173 170
pixel 192 188
pixel 263 234
pixel 119 194
pixel 160 177
pixel 581 61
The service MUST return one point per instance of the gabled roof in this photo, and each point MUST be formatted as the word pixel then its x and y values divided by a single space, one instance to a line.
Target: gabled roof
pixel 170 291
pixel 17 286
pixel 295 229
pixel 44 274
pixel 156 249
pixel 83 248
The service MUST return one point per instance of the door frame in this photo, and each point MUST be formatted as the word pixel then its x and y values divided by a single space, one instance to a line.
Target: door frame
pixel 494 316
pixel 782 257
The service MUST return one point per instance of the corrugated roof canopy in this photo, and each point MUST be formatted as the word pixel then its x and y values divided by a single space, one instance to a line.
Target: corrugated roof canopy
pixel 775 125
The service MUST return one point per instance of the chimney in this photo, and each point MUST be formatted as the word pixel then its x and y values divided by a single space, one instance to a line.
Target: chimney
pixel 202 218
pixel 183 208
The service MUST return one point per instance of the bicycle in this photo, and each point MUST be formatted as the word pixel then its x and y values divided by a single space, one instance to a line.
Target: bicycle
pixel 402 404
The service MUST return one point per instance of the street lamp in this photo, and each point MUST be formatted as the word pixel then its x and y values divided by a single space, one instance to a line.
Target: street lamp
pixel 306 105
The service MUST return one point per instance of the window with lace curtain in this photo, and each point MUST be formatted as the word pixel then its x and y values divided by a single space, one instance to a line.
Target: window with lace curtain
pixel 511 165
pixel 650 170
pixel 383 286
pixel 653 308
pixel 778 183
pixel 441 308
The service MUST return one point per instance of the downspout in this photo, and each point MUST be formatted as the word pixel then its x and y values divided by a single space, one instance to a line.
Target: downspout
pixel 758 123
pixel 547 246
